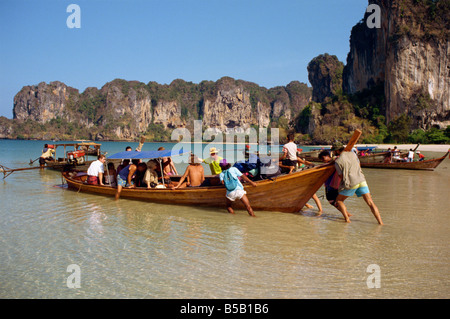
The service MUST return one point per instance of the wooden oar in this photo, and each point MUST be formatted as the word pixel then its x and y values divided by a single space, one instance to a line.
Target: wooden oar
pixel 353 140
pixel 8 171
pixel 416 147
pixel 31 162
pixel 141 143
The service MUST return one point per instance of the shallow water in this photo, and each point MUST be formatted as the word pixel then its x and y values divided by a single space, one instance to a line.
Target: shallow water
pixel 131 249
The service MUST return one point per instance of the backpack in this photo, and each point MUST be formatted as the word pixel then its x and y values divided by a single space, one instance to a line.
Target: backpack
pixel 230 181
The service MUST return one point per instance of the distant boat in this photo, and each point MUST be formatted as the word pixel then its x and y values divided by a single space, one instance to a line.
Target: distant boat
pixel 430 164
pixel 74 155
pixel 313 155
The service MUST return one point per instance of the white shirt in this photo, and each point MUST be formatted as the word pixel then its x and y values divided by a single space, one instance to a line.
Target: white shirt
pixel 410 154
pixel 95 168
pixel 291 149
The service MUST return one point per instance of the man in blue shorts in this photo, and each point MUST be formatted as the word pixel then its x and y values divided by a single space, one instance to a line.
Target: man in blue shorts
pixel 353 182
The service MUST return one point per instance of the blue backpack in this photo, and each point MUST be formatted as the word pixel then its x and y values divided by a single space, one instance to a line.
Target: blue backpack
pixel 230 181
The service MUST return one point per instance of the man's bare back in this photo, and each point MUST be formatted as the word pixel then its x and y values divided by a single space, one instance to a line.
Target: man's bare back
pixel 194 176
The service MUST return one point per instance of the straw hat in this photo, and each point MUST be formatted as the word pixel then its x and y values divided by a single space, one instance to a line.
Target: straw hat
pixel 213 150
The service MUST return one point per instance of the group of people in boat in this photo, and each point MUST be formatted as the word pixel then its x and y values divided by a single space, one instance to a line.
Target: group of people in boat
pixel 394 155
pixel 345 182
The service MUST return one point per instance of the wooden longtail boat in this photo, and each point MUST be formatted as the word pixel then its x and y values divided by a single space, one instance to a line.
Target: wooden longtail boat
pixel 430 164
pixel 313 155
pixel 378 157
pixel 285 193
pixel 77 156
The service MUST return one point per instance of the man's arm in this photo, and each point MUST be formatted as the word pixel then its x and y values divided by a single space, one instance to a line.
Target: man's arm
pixel 130 175
pixel 248 180
pixel 100 178
pixel 183 178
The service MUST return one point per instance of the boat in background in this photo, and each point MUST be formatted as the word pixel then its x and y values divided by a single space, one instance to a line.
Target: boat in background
pixel 74 155
pixel 430 164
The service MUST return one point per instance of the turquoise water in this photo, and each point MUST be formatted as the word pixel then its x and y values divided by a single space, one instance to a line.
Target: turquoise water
pixel 131 249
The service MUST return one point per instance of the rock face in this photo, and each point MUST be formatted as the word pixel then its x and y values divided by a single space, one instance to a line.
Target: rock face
pixel 43 102
pixel 127 109
pixel 409 54
pixel 325 75
pixel 168 114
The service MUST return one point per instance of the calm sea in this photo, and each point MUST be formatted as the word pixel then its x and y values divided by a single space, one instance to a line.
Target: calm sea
pixel 132 249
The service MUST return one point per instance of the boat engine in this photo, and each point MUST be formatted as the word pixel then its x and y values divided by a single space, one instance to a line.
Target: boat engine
pixel 76 157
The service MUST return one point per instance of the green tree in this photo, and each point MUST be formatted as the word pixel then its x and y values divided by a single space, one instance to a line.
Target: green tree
pixel 399 129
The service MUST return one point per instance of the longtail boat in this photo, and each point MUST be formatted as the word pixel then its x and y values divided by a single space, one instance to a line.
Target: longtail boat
pixel 378 157
pixel 285 193
pixel 74 155
pixel 313 155
pixel 430 164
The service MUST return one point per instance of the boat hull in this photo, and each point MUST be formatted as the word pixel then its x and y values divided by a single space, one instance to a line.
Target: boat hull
pixel 286 193
pixel 430 164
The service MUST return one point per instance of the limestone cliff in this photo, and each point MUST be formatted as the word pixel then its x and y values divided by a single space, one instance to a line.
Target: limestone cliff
pixel 128 109
pixel 325 75
pixel 43 102
pixel 409 55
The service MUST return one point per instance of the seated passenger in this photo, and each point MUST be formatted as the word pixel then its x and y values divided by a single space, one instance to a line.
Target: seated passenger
pixel 194 174
pixel 110 175
pixel 167 164
pixel 214 161
pixel 124 164
pixel 151 177
pixel 139 175
pixel 250 166
pixel 289 159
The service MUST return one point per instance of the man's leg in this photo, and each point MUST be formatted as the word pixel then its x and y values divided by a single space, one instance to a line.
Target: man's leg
pixel 368 198
pixel 318 203
pixel 229 208
pixel 119 189
pixel 246 202
pixel 341 207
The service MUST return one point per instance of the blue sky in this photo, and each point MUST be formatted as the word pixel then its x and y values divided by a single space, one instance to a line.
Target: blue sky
pixel 266 42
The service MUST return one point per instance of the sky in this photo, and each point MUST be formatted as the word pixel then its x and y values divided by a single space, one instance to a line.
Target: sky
pixel 268 42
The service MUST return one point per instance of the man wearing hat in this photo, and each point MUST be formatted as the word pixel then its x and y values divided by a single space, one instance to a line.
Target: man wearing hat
pixel 353 182
pixel 421 156
pixel 214 161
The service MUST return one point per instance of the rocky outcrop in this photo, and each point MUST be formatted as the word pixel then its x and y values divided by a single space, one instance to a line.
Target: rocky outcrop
pixel 127 103
pixel 128 109
pixel 168 114
pixel 231 108
pixel 6 128
pixel 409 54
pixel 43 102
pixel 325 75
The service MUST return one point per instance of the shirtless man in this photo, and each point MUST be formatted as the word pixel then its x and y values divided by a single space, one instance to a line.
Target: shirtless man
pixel 168 166
pixel 194 174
